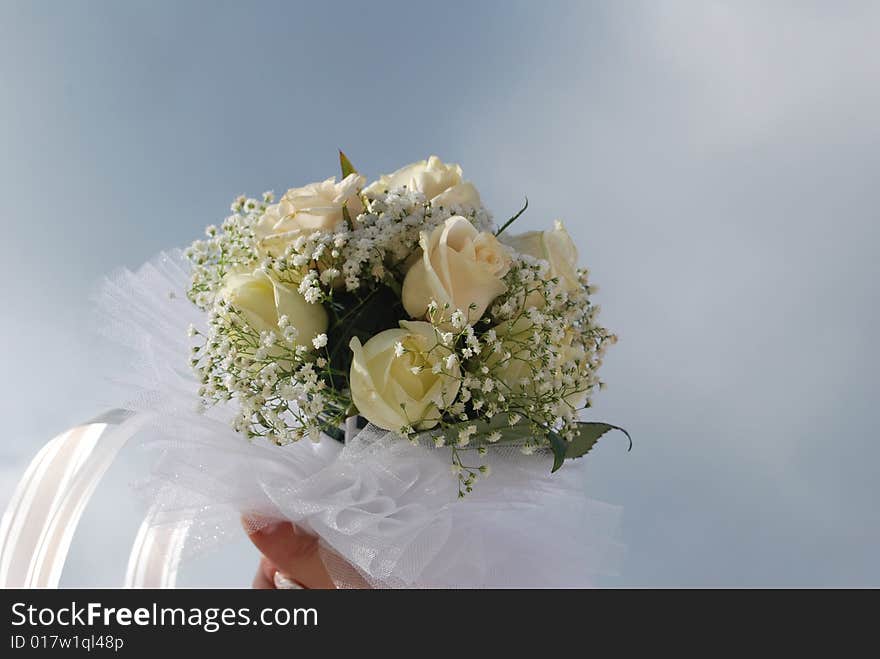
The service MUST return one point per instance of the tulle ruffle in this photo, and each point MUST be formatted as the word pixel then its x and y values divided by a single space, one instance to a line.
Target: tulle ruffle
pixel 387 512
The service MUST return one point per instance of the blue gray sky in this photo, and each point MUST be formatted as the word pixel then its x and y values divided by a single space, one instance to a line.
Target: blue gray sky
pixel 716 162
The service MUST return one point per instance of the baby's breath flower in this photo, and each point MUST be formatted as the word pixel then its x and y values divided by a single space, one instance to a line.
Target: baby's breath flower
pixel 534 354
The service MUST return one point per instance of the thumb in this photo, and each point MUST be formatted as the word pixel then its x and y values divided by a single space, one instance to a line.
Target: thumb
pixel 293 553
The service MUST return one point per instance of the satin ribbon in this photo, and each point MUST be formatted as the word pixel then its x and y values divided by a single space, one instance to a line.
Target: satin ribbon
pixel 46 507
pixel 40 521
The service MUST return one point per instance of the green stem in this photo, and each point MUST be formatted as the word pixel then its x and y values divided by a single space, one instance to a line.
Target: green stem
pixel 511 220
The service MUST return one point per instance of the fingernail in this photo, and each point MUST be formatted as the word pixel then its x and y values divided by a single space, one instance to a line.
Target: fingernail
pixel 285 583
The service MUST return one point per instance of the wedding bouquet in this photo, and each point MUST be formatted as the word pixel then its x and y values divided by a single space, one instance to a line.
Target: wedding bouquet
pixel 394 329
pixel 398 301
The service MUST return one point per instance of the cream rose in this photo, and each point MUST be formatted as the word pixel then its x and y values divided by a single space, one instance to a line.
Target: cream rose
pixel 263 300
pixel 459 266
pixel 440 183
pixel 461 196
pixel 554 246
pixel 518 370
pixel 315 207
pixel 574 354
pixel 393 389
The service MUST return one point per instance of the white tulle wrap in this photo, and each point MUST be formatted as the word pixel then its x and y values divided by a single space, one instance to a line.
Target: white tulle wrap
pixel 387 512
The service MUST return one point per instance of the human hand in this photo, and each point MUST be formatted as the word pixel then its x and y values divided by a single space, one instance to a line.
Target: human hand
pixel 288 553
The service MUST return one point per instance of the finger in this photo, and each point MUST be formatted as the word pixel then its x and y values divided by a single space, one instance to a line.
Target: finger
pixel 261 581
pixel 294 553
pixel 265 577
pixel 268 569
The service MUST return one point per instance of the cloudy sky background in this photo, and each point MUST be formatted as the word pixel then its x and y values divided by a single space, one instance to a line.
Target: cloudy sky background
pixel 716 162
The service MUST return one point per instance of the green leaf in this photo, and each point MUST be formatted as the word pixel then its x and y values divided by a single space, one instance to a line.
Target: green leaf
pixel 381 309
pixel 393 284
pixel 591 431
pixel 347 216
pixel 559 447
pixel 345 163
